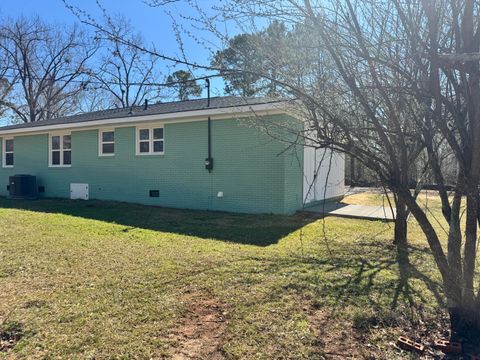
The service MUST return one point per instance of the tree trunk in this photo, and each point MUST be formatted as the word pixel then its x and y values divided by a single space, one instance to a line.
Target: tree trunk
pixel 401 243
pixel 352 171
pixel 400 239
pixel 470 247
pixel 465 323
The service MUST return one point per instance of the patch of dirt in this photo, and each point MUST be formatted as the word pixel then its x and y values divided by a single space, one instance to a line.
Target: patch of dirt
pixel 342 339
pixel 200 333
pixel 337 340
pixel 10 334
pixel 34 304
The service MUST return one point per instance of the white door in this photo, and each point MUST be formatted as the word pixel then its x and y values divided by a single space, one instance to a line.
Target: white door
pixel 324 174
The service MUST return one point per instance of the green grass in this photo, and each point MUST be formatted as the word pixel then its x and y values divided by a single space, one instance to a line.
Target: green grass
pixel 112 280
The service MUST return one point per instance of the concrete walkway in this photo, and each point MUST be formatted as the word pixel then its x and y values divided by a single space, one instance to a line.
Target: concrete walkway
pixel 353 211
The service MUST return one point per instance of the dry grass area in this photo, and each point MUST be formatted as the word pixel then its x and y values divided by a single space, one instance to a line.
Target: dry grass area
pixel 110 280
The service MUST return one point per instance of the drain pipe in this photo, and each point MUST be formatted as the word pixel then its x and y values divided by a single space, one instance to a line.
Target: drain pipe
pixel 209 159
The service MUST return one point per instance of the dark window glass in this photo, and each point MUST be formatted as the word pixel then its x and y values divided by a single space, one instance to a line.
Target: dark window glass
pixel 158 146
pixel 108 148
pixel 144 134
pixel 55 142
pixel 55 157
pixel 158 133
pixel 67 158
pixel 108 136
pixel 9 159
pixel 9 145
pixel 67 142
pixel 144 147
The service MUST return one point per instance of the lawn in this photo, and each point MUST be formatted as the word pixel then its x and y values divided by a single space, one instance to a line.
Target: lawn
pixel 112 280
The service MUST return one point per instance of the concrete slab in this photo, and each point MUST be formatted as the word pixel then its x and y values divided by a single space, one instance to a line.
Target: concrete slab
pixel 353 211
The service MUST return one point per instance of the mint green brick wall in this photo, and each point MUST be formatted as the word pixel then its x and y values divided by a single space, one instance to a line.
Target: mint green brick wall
pixel 247 169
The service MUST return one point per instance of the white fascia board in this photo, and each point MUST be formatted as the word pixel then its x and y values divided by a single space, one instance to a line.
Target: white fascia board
pixel 184 116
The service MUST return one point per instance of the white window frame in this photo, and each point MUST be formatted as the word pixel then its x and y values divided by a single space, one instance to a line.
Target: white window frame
pixel 150 139
pixel 101 142
pixel 4 152
pixel 61 134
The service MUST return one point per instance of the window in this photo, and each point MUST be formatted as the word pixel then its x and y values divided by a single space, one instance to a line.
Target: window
pixel 150 141
pixel 60 150
pixel 107 142
pixel 8 150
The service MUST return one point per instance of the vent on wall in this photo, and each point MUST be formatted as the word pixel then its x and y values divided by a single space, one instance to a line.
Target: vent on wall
pixel 154 193
pixel 79 191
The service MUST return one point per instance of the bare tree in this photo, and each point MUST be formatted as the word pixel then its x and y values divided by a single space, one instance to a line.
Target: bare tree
pixel 348 108
pixel 126 73
pixel 6 85
pixel 452 81
pixel 46 68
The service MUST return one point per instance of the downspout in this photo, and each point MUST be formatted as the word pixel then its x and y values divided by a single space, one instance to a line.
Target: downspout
pixel 209 159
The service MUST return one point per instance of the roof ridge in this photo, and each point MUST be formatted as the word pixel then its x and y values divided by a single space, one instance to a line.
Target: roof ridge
pixel 159 103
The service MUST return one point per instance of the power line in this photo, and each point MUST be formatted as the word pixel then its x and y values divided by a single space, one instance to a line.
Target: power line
pixel 97 82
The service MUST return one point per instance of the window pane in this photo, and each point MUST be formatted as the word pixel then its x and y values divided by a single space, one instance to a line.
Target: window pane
pixel 55 142
pixel 55 157
pixel 108 148
pixel 9 145
pixel 158 133
pixel 144 134
pixel 158 146
pixel 144 147
pixel 67 142
pixel 9 159
pixel 67 157
pixel 108 136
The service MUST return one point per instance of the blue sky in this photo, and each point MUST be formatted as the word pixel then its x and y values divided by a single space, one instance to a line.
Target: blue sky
pixel 154 24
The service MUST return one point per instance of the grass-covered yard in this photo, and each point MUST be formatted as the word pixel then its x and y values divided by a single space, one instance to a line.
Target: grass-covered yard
pixel 111 280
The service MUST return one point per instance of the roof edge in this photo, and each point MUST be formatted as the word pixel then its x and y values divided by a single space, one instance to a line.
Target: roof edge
pixel 272 108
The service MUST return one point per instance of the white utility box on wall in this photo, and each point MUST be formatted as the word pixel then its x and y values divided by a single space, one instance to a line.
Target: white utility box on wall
pixel 79 191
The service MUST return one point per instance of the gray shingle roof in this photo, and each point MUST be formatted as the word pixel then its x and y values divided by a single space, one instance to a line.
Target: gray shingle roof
pixel 153 109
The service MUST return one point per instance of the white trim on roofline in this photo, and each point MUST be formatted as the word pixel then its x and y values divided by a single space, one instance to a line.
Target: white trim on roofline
pixel 184 116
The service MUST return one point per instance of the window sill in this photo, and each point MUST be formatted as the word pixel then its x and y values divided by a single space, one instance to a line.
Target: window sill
pixel 7 166
pixel 59 166
pixel 151 154
pixel 106 155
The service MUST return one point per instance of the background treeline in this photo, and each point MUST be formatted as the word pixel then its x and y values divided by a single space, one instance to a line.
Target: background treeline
pixel 49 70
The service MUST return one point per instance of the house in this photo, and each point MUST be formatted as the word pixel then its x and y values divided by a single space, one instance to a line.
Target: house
pixel 172 155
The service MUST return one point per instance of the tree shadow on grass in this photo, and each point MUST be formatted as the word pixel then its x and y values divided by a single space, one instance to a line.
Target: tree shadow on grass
pixel 259 230
pixel 353 278
pixel 367 272
pixel 360 289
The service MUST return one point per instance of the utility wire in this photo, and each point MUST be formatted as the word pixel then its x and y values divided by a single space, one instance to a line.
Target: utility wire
pixel 97 82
